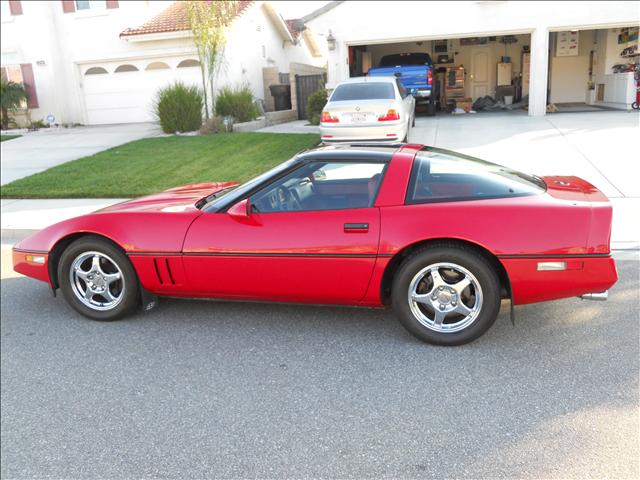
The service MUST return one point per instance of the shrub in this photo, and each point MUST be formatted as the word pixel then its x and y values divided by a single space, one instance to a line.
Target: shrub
pixel 237 103
pixel 179 108
pixel 315 104
pixel 38 124
pixel 12 96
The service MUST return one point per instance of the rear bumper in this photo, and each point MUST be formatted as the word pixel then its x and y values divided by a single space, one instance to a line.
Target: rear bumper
pixel 32 264
pixel 582 275
pixel 391 132
pixel 420 93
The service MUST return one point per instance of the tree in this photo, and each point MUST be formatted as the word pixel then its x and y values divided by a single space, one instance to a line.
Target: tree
pixel 12 95
pixel 209 21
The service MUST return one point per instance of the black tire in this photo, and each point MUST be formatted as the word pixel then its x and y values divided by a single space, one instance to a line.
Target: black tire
pixel 468 259
pixel 634 105
pixel 127 290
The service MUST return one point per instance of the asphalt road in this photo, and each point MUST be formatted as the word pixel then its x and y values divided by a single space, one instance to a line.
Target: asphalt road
pixel 211 389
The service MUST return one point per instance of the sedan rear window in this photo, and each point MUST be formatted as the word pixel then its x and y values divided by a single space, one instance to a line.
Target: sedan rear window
pixel 364 91
pixel 440 175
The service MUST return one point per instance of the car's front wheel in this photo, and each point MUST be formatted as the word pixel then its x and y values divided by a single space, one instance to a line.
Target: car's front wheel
pixel 446 295
pixel 98 280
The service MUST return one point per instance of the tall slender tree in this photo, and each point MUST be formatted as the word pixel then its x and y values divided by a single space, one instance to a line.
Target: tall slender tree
pixel 209 21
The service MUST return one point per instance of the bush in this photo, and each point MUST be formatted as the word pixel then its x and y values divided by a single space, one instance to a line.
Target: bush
pixel 38 124
pixel 315 104
pixel 179 108
pixel 237 103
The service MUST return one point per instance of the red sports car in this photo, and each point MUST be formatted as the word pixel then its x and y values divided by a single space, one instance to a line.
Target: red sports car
pixel 441 237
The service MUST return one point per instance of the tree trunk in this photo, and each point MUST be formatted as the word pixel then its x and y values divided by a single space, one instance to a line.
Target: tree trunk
pixel 204 90
pixel 5 118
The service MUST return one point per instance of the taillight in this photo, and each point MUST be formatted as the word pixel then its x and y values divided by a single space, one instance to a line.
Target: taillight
pixel 389 116
pixel 327 118
pixel 429 77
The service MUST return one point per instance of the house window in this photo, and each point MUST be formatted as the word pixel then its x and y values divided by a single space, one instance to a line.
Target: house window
pixel 22 74
pixel 189 63
pixel 157 66
pixel 96 71
pixel 126 68
pixel 91 4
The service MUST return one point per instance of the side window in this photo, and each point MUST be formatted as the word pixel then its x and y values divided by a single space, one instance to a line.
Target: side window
pixel 439 176
pixel 322 186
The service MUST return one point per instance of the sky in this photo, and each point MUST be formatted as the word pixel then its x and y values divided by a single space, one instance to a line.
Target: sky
pixel 297 9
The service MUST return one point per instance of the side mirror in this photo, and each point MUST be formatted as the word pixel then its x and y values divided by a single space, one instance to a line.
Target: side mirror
pixel 241 209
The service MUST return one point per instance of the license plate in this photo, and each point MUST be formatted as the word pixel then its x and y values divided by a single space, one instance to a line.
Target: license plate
pixel 358 117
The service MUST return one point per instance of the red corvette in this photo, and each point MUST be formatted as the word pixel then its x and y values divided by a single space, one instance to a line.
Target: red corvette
pixel 440 236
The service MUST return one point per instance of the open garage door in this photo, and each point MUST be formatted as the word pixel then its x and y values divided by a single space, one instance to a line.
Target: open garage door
pixel 125 92
pixel 592 70
pixel 465 69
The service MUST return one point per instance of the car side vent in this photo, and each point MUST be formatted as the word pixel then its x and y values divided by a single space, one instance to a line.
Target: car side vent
pixel 163 271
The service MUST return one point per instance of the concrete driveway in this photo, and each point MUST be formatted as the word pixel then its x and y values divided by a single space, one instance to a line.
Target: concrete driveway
pixel 38 151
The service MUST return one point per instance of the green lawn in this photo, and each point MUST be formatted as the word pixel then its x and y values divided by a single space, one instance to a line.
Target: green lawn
pixel 155 164
pixel 4 138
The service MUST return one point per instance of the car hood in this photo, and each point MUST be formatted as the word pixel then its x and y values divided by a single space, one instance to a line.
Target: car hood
pixel 176 199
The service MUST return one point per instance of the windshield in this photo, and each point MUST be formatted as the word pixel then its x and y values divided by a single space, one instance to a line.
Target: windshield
pixel 405 59
pixel 364 91
pixel 230 195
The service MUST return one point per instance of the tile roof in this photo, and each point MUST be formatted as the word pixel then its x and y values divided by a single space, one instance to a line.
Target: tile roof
pixel 295 27
pixel 172 19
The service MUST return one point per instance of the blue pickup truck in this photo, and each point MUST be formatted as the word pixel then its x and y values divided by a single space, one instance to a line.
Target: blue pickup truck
pixel 415 71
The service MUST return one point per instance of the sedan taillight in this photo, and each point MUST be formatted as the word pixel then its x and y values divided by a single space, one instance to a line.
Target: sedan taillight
pixel 327 118
pixel 389 116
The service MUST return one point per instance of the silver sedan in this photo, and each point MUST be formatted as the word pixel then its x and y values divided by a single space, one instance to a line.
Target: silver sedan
pixel 368 109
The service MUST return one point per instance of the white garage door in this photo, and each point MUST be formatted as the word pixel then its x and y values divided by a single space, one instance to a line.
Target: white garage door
pixel 125 92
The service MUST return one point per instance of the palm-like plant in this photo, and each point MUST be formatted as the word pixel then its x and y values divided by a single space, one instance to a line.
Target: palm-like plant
pixel 12 95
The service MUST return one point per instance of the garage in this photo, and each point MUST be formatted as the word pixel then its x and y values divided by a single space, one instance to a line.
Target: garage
pixel 469 73
pixel 124 92
pixel 592 69
pixel 498 44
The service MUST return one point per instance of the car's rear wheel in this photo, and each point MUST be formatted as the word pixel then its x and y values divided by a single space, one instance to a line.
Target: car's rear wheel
pixel 98 280
pixel 446 295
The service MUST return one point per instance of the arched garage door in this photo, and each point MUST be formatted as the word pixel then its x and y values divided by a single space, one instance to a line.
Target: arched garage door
pixel 125 92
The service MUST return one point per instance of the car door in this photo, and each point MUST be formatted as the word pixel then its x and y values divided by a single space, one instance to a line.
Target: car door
pixel 311 236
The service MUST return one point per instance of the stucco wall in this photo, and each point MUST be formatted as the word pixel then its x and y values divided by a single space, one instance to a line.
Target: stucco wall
pixel 569 76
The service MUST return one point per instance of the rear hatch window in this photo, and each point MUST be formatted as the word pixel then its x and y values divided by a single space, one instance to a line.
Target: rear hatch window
pixel 363 91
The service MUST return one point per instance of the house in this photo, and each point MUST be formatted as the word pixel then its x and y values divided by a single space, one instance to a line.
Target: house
pixel 102 62
pixel 560 52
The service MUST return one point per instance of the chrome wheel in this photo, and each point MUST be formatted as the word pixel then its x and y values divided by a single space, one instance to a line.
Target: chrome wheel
pixel 445 297
pixel 97 281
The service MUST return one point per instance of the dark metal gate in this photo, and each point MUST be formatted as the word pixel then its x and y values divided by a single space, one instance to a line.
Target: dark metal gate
pixel 305 86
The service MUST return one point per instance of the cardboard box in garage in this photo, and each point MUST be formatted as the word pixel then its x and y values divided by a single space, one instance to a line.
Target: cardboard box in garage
pixel 464 103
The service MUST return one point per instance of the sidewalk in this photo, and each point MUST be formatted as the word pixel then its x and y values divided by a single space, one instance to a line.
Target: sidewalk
pixel 23 217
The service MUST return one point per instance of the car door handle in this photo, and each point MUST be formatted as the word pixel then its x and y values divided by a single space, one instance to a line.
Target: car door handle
pixel 356 227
